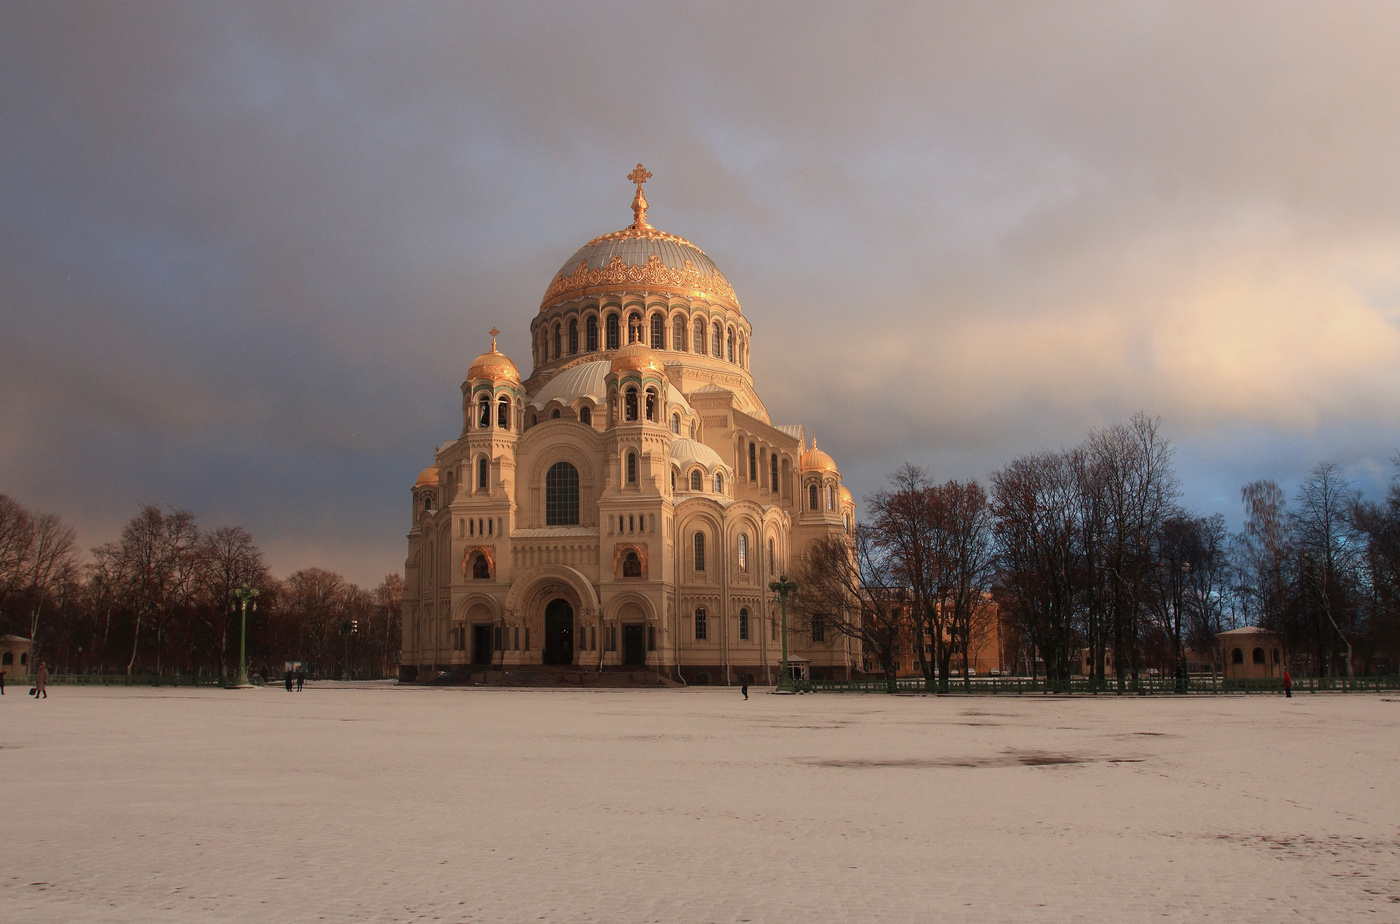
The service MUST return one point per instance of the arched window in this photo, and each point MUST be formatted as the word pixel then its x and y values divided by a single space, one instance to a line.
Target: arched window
pixel 717 346
pixel 1258 656
pixel 585 415
pixel 561 495
pixel 744 625
pixel 1237 657
pixel 533 419
pixel 612 331
pixel 676 424
pixel 700 626
pixel 673 479
pixel 427 502
pixel 695 480
pixel 631 565
pixel 831 497
pixel 678 334
pixel 813 498
pixel 744 553
pixel 558 343
pixel 770 555
pixel 699 551
pixel 651 404
pixel 556 415
pixel 590 334
pixel 631 468
pixel 658 332
pixel 694 429
pixel 719 483
pixel 846 519
pixel 699 338
pixel 483 417
pixel 573 335
pixel 629 411
pixel 753 462
pixel 503 413
pixel 7 659
pixel 773 471
pixel 743 359
pixel 481 568
pixel 818 628
pixel 483 469
pixel 729 346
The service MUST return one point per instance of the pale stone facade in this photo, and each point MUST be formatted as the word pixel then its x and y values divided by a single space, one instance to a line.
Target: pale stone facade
pixel 628 503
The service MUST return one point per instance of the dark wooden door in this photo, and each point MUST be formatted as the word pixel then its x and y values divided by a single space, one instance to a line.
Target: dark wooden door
pixel 634 649
pixel 481 645
pixel 558 632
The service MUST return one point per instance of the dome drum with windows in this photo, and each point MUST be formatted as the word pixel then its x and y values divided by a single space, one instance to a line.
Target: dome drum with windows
pixel 625 505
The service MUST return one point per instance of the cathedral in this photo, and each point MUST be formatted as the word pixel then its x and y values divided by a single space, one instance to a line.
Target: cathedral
pixel 625 506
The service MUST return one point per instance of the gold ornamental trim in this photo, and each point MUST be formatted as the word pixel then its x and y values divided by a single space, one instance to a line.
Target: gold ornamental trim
pixel 651 274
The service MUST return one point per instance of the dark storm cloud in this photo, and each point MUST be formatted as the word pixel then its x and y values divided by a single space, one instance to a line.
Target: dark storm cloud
pixel 249 250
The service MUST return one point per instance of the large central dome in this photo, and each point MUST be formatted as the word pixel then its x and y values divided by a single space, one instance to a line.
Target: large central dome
pixel 640 257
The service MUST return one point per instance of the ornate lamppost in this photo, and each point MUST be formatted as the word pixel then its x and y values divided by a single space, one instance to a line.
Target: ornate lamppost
pixel 784 588
pixel 244 595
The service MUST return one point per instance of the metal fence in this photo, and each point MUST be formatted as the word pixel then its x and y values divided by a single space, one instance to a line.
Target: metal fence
pixel 140 680
pixel 1143 686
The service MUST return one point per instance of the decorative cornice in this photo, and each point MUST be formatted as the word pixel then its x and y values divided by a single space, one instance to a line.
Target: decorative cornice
pixel 652 274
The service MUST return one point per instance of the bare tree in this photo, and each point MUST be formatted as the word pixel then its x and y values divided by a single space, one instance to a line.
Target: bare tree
pixel 962 519
pixel 16 538
pixel 388 607
pixel 227 559
pixel 850 588
pixel 1379 524
pixel 1329 550
pixel 313 602
pixel 156 548
pixel 52 563
pixel 1034 504
pixel 1265 549
pixel 904 528
pixel 1129 468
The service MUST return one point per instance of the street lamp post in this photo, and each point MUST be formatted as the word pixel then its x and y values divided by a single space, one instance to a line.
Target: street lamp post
pixel 784 588
pixel 347 627
pixel 244 595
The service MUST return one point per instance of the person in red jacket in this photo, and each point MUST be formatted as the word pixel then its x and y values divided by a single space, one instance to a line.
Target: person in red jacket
pixel 1287 684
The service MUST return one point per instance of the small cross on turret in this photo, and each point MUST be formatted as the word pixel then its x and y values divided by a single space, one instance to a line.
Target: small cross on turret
pixel 494 333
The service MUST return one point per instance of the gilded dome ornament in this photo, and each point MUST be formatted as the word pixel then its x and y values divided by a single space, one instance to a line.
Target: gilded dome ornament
pixel 814 460
pixel 640 257
pixel 493 364
pixel 639 202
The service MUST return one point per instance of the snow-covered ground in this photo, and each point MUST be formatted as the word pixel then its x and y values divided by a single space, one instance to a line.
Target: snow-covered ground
pixel 380 803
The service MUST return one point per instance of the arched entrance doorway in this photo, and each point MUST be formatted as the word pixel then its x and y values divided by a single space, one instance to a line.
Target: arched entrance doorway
pixel 558 632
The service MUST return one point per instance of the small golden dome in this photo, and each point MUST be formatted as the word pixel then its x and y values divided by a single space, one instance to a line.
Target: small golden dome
pixel 814 460
pixel 428 478
pixel 493 365
pixel 636 357
pixel 846 497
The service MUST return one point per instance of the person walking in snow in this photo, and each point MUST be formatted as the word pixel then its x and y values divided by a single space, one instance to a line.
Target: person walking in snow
pixel 744 687
pixel 288 679
pixel 41 681
pixel 301 678
pixel 1287 684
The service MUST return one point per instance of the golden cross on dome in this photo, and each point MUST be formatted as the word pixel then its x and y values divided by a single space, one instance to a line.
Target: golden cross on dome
pixel 494 333
pixel 639 202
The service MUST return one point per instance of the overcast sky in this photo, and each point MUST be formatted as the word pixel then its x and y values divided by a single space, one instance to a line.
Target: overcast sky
pixel 248 251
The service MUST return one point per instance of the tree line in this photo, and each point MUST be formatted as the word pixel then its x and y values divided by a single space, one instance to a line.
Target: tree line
pixel 1088 550
pixel 159 599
